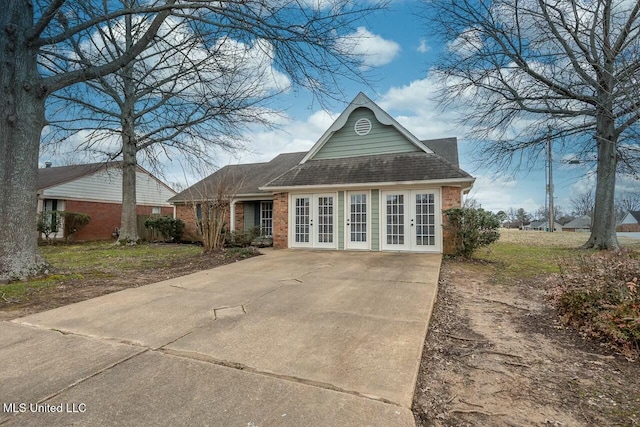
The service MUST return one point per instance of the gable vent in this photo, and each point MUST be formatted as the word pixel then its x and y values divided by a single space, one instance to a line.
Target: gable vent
pixel 362 126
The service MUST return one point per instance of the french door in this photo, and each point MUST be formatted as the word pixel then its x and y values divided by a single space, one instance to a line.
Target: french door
pixel 314 220
pixel 358 220
pixel 411 220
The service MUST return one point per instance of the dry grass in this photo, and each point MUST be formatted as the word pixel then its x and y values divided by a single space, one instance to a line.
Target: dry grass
pixel 525 254
pixel 562 239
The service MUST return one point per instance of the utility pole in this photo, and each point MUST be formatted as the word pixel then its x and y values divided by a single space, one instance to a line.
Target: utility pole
pixel 550 185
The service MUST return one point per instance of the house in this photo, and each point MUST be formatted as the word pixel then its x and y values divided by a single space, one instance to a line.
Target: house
pixel 630 222
pixel 96 190
pixel 581 224
pixel 544 226
pixel 367 184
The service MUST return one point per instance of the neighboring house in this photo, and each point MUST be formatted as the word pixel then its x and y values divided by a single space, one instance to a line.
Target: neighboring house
pixel 581 224
pixel 96 189
pixel 630 222
pixel 544 226
pixel 367 184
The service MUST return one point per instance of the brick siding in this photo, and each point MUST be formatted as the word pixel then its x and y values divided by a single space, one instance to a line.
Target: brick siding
pixel 633 228
pixel 451 198
pixel 105 218
pixel 187 214
pixel 281 220
pixel 238 216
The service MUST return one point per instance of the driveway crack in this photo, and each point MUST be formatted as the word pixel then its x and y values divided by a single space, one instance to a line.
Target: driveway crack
pixel 194 355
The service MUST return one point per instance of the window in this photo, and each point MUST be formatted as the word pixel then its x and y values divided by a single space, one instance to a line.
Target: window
pixel 156 210
pixel 52 218
pixel 266 218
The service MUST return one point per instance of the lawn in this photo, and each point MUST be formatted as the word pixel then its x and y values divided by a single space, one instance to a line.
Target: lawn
pixel 526 254
pixel 82 271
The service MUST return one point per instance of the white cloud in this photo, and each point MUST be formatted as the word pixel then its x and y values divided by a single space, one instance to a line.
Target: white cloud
pixel 423 47
pixel 422 115
pixel 501 193
pixel 371 49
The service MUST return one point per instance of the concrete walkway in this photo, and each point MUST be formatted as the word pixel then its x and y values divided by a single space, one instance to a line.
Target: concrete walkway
pixel 289 338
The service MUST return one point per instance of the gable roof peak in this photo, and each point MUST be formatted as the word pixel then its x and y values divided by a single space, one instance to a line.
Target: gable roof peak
pixel 362 100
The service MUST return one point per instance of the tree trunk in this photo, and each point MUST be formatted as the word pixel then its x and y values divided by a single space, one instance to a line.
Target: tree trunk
pixel 21 122
pixel 128 222
pixel 603 227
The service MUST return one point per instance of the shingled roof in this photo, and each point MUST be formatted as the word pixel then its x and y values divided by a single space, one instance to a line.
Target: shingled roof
pixel 401 167
pixel 636 215
pixel 447 148
pixel 249 177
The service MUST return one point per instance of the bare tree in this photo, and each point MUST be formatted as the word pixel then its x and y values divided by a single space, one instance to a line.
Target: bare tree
pixel 210 201
pixel 530 70
pixel 522 217
pixel 191 91
pixel 625 202
pixel 583 204
pixel 37 59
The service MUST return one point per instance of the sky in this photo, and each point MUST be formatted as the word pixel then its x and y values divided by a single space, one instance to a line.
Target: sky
pixel 397 55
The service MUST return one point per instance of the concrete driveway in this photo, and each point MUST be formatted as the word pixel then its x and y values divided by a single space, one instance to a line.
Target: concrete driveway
pixel 290 338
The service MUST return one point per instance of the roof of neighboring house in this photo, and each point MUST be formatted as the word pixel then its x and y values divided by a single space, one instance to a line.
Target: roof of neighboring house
pixel 536 224
pixel 401 167
pixel 581 222
pixel 251 176
pixel 51 176
pixel 635 214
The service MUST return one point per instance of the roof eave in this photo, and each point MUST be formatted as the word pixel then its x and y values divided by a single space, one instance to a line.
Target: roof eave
pixel 429 182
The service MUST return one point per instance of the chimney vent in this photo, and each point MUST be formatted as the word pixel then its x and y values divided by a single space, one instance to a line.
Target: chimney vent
pixel 47 164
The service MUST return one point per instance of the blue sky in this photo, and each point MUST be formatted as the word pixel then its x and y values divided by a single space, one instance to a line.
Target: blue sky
pixel 398 54
pixel 401 54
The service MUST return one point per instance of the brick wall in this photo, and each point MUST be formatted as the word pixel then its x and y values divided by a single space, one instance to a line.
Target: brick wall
pixel 451 198
pixel 105 218
pixel 186 214
pixel 238 216
pixel 634 228
pixel 281 220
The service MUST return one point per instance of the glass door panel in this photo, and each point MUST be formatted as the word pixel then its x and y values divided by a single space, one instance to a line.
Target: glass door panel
pixel 357 221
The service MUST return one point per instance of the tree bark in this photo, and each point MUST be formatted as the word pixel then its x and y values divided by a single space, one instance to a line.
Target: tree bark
pixel 128 222
pixel 21 122
pixel 603 227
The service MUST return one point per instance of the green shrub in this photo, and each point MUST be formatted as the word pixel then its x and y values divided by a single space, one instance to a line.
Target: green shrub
pixel 241 239
pixel 171 229
pixel 74 222
pixel 598 294
pixel 472 228
pixel 48 224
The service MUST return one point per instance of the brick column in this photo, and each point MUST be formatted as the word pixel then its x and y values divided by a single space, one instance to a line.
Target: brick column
pixel 451 198
pixel 281 220
pixel 238 217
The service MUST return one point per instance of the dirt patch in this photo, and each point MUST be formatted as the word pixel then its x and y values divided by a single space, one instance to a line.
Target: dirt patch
pixel 108 280
pixel 497 355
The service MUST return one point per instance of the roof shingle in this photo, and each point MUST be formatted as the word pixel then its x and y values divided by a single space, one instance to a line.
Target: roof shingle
pixel 249 177
pixel 399 167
